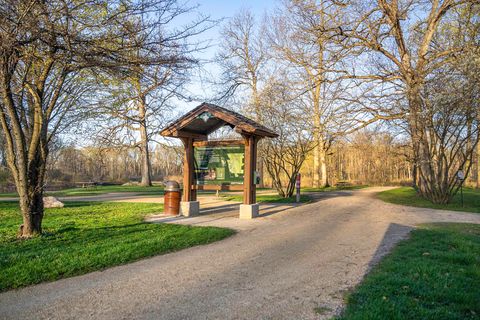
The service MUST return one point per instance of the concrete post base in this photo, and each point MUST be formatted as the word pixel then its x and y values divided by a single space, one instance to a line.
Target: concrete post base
pixel 189 208
pixel 249 211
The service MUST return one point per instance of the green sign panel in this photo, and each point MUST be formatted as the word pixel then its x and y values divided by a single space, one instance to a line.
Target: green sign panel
pixel 219 164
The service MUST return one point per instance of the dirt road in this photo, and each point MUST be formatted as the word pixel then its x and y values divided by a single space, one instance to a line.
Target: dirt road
pixel 281 266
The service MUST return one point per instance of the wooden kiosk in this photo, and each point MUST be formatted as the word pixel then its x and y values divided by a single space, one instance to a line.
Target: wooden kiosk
pixel 193 129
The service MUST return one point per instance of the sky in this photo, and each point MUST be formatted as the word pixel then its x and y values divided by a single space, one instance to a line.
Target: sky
pixel 217 10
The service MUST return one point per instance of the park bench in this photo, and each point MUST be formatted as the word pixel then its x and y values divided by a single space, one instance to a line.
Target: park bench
pixel 87 184
pixel 343 184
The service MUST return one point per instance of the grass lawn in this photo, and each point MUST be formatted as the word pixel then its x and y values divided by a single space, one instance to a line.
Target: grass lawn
pixel 92 191
pixel 333 188
pixel 106 189
pixel 8 195
pixel 267 198
pixel 88 236
pixel 408 197
pixel 435 274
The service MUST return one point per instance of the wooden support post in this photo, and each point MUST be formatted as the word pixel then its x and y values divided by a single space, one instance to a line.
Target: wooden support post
pixel 249 192
pixel 188 171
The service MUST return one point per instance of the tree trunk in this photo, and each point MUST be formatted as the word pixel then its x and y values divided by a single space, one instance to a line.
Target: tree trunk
pixel 433 180
pixel 323 167
pixel 31 195
pixel 274 173
pixel 260 171
pixel 258 117
pixel 316 166
pixel 478 166
pixel 31 205
pixel 317 151
pixel 144 150
pixel 422 161
pixel 468 146
pixel 414 176
pixel 477 163
pixel 146 166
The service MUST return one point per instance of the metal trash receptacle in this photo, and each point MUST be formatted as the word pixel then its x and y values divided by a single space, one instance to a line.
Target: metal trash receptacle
pixel 172 198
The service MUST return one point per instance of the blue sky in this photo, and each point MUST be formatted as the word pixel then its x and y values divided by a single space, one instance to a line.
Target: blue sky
pixel 217 10
pixel 228 8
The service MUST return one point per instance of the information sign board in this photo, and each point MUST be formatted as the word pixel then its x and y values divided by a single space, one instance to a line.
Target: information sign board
pixel 219 164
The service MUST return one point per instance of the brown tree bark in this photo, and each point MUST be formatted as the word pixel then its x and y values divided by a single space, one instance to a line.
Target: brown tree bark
pixel 144 149
pixel 319 158
pixel 323 167
pixel 316 165
pixel 477 163
pixel 478 166
pixel 31 206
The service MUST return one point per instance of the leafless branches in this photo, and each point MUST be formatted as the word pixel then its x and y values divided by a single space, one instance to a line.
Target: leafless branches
pixel 50 54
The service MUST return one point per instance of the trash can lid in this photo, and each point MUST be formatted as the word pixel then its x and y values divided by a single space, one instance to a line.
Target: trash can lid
pixel 172 186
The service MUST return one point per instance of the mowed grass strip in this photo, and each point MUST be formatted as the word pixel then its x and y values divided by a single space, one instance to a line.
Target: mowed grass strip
pixel 435 274
pixel 334 188
pixel 99 190
pixel 407 196
pixel 89 236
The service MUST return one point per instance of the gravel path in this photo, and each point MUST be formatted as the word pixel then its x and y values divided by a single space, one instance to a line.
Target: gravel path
pixel 280 266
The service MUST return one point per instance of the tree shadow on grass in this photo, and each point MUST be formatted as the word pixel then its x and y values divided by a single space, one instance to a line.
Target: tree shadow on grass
pixel 394 234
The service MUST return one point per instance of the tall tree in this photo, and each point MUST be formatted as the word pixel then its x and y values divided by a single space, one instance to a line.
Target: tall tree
pixel 46 49
pixel 286 115
pixel 243 60
pixel 242 57
pixel 302 37
pixel 134 107
pixel 404 43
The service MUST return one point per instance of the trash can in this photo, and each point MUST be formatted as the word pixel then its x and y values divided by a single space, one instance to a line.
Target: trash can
pixel 172 198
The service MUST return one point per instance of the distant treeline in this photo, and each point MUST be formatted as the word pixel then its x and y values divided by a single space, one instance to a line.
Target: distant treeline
pixel 364 158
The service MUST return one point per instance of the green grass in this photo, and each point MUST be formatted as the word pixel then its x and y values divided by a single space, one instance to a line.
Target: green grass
pixel 88 236
pixel 107 189
pixel 99 190
pixel 267 198
pixel 8 195
pixel 435 274
pixel 333 188
pixel 407 196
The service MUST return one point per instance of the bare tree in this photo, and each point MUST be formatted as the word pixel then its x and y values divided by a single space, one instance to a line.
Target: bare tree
pixel 243 60
pixel 131 113
pixel 405 51
pixel 303 39
pixel 134 107
pixel 285 155
pixel 378 157
pixel 45 49
pixel 242 57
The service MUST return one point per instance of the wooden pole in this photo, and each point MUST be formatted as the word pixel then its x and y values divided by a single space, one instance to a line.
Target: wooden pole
pixel 249 192
pixel 188 171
